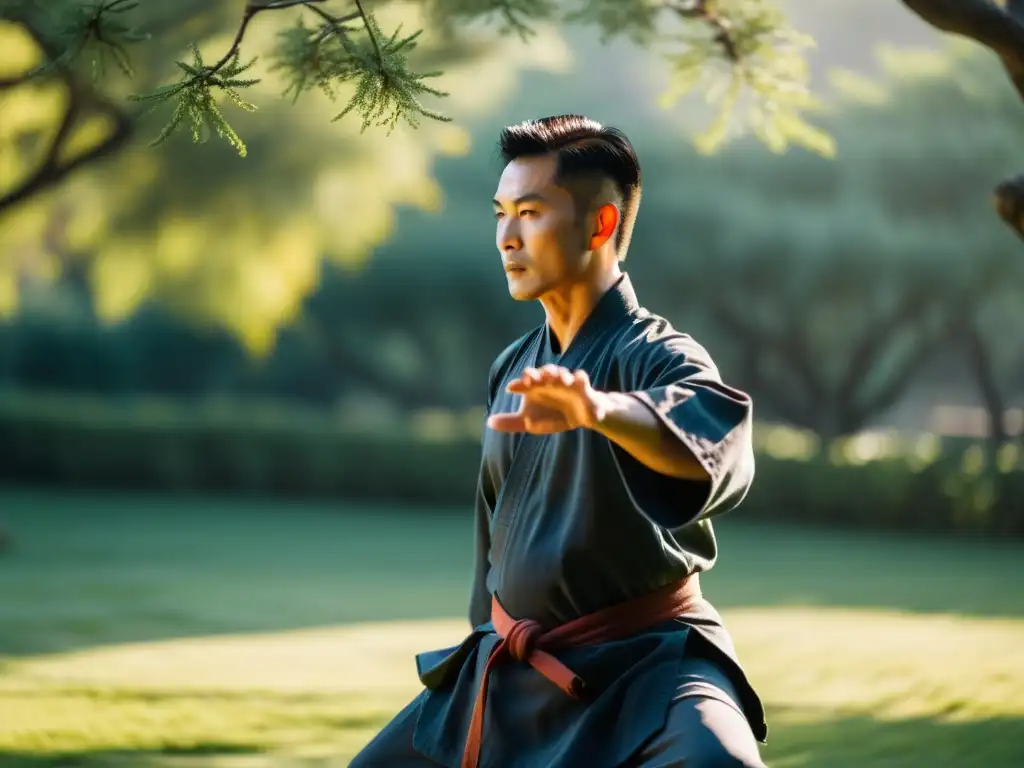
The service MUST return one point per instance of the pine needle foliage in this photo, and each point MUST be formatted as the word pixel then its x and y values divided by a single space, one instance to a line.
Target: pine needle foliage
pixel 741 53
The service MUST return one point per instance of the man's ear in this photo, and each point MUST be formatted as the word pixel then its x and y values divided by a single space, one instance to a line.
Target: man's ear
pixel 605 222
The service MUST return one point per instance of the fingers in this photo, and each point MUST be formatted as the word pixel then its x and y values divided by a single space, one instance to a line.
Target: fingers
pixel 549 375
pixel 507 422
pixel 518 422
pixel 557 374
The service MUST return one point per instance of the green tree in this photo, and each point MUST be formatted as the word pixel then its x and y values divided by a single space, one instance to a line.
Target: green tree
pixel 225 241
pixel 762 56
pixel 68 104
pixel 999 26
pixel 831 284
pixel 741 50
pixel 823 286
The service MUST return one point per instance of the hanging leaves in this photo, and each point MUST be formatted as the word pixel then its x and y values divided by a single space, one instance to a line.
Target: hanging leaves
pixel 741 53
pixel 196 103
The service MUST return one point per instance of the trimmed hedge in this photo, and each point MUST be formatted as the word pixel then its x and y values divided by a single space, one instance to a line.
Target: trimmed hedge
pixel 871 481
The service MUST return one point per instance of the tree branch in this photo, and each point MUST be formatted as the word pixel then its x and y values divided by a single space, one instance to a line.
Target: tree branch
pixel 720 26
pixel 1000 29
pixel 958 314
pixel 255 7
pixel 865 354
pixel 789 350
pixel 983 21
pixel 782 399
pixel 983 368
pixel 856 415
pixel 81 100
pixel 369 31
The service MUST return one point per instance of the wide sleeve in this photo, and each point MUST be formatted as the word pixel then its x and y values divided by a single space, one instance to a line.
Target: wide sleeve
pixel 676 380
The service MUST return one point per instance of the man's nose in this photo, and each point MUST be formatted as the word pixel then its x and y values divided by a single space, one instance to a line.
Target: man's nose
pixel 508 237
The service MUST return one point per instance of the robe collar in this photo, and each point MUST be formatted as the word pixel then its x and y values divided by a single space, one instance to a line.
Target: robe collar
pixel 616 305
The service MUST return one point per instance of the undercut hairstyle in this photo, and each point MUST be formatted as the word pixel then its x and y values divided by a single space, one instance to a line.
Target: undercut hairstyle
pixel 582 147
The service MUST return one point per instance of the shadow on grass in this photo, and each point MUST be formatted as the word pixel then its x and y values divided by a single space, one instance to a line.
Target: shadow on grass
pixel 803 739
pixel 89 570
pixel 807 740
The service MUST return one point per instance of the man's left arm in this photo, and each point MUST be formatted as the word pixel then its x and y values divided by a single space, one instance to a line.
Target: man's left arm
pixel 682 439
pixel 635 428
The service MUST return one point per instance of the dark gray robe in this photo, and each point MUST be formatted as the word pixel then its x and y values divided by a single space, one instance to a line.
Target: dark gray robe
pixel 570 523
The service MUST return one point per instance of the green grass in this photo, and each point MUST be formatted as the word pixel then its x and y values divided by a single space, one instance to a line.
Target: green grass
pixel 140 632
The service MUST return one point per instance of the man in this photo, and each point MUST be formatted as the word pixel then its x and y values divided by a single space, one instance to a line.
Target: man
pixel 610 443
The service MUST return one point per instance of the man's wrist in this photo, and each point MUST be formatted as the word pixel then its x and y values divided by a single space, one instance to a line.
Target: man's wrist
pixel 613 411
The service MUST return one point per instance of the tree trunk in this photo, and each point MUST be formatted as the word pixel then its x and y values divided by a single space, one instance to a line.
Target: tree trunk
pixel 979 358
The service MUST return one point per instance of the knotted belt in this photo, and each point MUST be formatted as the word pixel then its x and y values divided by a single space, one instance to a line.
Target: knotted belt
pixel 526 641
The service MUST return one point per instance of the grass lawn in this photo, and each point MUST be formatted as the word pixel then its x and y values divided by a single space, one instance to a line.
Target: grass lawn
pixel 153 632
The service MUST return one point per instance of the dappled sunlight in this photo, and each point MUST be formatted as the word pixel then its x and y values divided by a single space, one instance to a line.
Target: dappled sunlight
pixel 147 637
pixel 300 693
pixel 868 446
pixel 814 657
pixel 326 690
pixel 918 451
pixel 239 243
pixel 363 658
pixel 889 663
pixel 784 442
pixel 438 424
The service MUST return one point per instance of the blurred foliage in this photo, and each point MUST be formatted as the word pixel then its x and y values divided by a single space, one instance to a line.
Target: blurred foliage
pixel 229 243
pixel 824 287
pixel 744 45
pixel 142 227
pixel 874 481
pixel 836 282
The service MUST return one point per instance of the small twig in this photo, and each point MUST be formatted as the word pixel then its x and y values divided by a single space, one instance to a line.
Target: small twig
pixel 332 19
pixel 369 31
pixel 253 8
pixel 700 9
pixel 247 16
pixel 276 5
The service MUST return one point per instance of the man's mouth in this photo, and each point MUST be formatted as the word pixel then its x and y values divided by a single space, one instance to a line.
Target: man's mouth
pixel 514 269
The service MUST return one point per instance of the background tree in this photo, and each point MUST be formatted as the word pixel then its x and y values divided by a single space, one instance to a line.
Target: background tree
pixel 229 242
pixel 347 53
pixel 839 280
pixel 856 277
pixel 247 262
pixel 762 59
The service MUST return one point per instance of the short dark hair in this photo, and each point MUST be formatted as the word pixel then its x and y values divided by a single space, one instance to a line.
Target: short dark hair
pixel 582 146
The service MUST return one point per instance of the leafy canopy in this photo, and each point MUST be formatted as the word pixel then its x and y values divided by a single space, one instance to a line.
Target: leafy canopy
pixel 741 53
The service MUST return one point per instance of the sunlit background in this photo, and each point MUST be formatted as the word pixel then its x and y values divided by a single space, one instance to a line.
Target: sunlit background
pixel 241 399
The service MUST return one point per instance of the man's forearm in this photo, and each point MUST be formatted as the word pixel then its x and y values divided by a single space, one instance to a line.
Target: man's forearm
pixel 628 423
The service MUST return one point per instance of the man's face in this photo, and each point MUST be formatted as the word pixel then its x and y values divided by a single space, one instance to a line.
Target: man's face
pixel 541 236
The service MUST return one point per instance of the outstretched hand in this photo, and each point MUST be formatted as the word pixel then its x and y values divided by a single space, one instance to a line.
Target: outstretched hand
pixel 555 399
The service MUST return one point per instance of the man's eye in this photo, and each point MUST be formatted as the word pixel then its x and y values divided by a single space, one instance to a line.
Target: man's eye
pixel 527 213
pixel 498 214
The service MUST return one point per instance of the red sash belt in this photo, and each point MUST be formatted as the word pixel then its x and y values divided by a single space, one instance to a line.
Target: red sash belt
pixel 527 642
